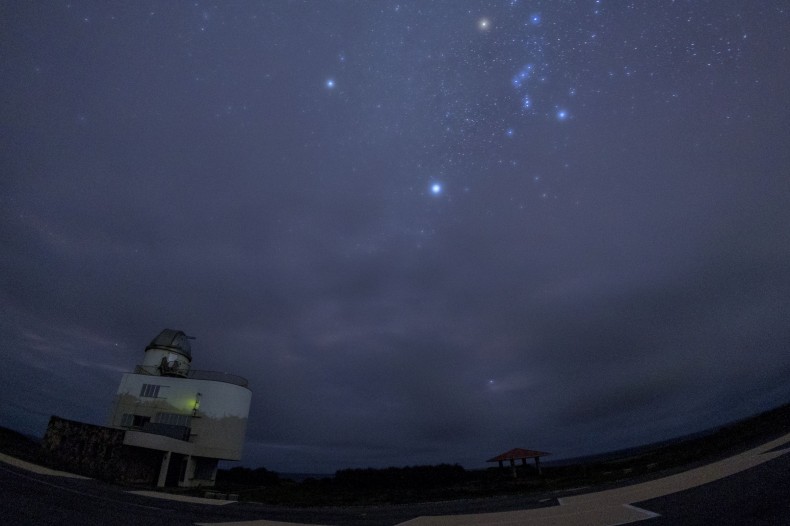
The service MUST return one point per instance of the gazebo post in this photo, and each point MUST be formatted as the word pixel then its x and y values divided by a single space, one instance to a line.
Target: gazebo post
pixel 519 454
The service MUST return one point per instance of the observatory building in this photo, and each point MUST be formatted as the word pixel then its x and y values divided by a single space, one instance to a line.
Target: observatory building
pixel 194 418
pixel 170 424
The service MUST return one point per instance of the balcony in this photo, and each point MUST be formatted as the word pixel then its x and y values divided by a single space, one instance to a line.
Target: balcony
pixel 167 430
pixel 196 374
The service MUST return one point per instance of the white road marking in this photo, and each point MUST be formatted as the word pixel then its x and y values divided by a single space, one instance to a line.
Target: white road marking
pixel 35 468
pixel 182 498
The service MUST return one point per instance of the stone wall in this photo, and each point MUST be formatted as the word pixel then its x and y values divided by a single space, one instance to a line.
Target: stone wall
pixel 98 452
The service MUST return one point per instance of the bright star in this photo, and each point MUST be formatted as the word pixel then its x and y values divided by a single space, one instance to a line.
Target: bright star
pixel 534 19
pixel 522 76
pixel 484 24
pixel 562 115
pixel 436 188
pixel 330 83
pixel 509 132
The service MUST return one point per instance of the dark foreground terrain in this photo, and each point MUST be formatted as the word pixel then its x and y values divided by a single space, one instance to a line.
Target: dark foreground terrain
pixel 450 482
pixel 757 496
pixel 388 497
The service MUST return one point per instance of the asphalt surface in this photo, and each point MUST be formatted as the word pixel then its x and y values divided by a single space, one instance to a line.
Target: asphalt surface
pixel 759 496
pixel 756 496
pixel 33 499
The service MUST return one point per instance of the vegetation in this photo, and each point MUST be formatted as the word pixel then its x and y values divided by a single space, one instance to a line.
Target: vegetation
pixel 240 476
pixel 394 485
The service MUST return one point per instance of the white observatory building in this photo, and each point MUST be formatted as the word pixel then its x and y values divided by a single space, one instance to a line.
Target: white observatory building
pixel 195 418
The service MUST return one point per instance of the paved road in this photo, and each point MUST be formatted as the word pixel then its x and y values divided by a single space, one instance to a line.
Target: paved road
pixel 759 495
pixel 37 499
pixel 703 495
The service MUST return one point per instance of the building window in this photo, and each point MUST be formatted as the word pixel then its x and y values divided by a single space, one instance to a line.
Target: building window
pixel 173 419
pixel 150 391
pixel 129 420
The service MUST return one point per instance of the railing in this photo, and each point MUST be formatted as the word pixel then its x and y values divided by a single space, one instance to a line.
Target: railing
pixel 153 370
pixel 168 430
pixel 215 376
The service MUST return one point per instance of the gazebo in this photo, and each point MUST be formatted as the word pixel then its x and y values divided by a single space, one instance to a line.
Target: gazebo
pixel 519 454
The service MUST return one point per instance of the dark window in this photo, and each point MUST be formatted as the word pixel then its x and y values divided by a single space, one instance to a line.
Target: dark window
pixel 149 391
pixel 130 420
pixel 140 421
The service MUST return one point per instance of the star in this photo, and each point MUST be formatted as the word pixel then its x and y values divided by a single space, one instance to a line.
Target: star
pixel 330 83
pixel 562 115
pixel 484 24
pixel 436 188
pixel 519 78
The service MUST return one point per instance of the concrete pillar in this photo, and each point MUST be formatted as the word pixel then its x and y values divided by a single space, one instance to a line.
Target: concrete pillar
pixel 537 465
pixel 189 474
pixel 163 470
pixel 214 473
pixel 513 467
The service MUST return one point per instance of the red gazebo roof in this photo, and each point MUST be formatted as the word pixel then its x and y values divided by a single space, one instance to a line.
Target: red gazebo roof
pixel 517 454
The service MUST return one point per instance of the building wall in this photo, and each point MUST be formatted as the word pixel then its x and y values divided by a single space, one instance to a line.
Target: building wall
pixel 98 452
pixel 216 411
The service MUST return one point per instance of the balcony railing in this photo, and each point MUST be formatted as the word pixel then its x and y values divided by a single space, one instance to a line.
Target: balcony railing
pixel 168 430
pixel 195 374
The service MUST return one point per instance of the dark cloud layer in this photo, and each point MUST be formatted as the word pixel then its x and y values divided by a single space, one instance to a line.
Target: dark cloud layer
pixel 578 284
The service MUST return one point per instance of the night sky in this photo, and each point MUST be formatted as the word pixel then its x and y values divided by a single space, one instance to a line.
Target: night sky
pixel 426 232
